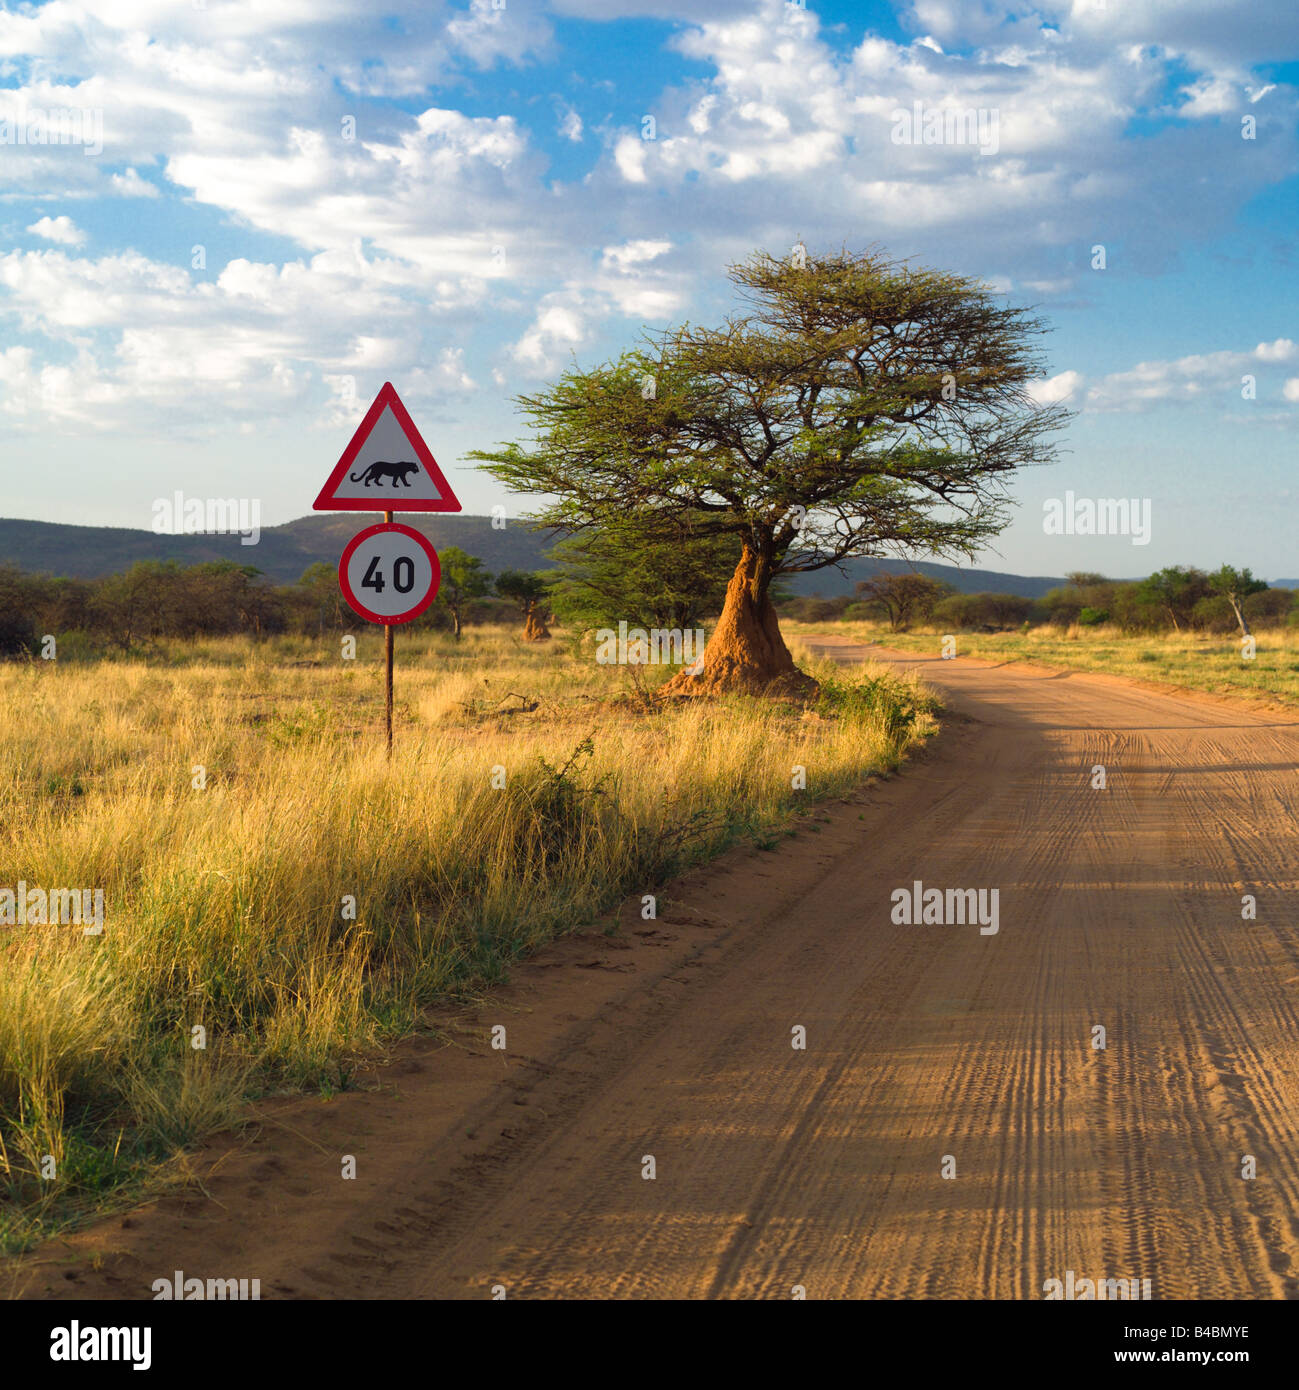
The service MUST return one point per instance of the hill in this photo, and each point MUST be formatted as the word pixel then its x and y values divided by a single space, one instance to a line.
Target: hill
pixel 283 552
pixel 830 583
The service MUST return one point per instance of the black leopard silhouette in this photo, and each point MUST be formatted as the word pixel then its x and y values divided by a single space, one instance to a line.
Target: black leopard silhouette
pixel 378 470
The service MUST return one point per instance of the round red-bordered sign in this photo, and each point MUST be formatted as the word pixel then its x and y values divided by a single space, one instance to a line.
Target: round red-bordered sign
pixel 395 568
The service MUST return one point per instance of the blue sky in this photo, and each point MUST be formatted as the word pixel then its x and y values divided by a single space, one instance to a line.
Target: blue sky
pixel 460 197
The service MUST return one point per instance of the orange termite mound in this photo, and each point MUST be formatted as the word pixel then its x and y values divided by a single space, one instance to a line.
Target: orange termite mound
pixel 534 627
pixel 746 654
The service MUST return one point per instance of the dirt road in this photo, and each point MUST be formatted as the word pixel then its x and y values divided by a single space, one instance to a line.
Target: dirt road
pixel 926 1045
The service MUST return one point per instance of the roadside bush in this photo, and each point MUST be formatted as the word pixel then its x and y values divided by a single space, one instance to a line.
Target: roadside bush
pixel 1270 606
pixel 971 612
pixel 815 610
pixel 1213 614
pixel 17 628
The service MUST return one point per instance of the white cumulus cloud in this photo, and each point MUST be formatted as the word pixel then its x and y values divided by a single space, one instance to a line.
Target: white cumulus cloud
pixel 60 229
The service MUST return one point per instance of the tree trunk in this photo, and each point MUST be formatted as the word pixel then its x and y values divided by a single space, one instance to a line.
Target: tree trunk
pixel 534 628
pixel 455 621
pixel 746 653
pixel 1240 617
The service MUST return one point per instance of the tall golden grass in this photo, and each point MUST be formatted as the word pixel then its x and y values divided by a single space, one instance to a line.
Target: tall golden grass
pixel 225 907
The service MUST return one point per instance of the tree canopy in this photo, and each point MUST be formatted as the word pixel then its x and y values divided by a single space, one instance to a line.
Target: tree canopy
pixel 858 405
pixel 645 574
pixel 903 596
pixel 530 592
pixel 1235 586
pixel 463 578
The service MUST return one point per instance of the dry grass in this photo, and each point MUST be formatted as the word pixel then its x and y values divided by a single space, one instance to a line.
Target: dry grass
pixel 1210 663
pixel 225 907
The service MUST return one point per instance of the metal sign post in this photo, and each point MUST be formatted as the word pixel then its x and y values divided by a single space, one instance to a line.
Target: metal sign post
pixel 387 651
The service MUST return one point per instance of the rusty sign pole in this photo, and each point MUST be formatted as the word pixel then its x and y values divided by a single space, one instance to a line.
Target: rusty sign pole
pixel 387 645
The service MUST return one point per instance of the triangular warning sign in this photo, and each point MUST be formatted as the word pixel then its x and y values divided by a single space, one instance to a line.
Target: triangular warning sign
pixel 387 467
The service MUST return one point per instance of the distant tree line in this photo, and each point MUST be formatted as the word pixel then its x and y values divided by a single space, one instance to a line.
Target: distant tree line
pixel 624 571
pixel 601 578
pixel 160 600
pixel 1175 599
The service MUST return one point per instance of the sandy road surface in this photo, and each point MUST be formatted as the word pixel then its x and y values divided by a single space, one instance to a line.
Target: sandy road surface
pixel 822 1168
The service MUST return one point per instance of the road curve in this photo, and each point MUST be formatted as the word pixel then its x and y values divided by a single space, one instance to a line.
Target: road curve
pixel 952 1128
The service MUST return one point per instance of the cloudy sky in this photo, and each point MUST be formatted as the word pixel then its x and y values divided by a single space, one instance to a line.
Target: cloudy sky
pixel 260 210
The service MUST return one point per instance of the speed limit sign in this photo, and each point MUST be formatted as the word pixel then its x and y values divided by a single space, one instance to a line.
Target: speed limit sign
pixel 389 573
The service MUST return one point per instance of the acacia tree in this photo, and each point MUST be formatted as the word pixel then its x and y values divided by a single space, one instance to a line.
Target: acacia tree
pixel 858 405
pixel 463 578
pixel 1174 590
pixel 137 603
pixel 1236 586
pixel 529 592
pixel 903 596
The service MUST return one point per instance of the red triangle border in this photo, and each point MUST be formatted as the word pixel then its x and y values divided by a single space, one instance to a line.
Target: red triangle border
pixel 327 502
